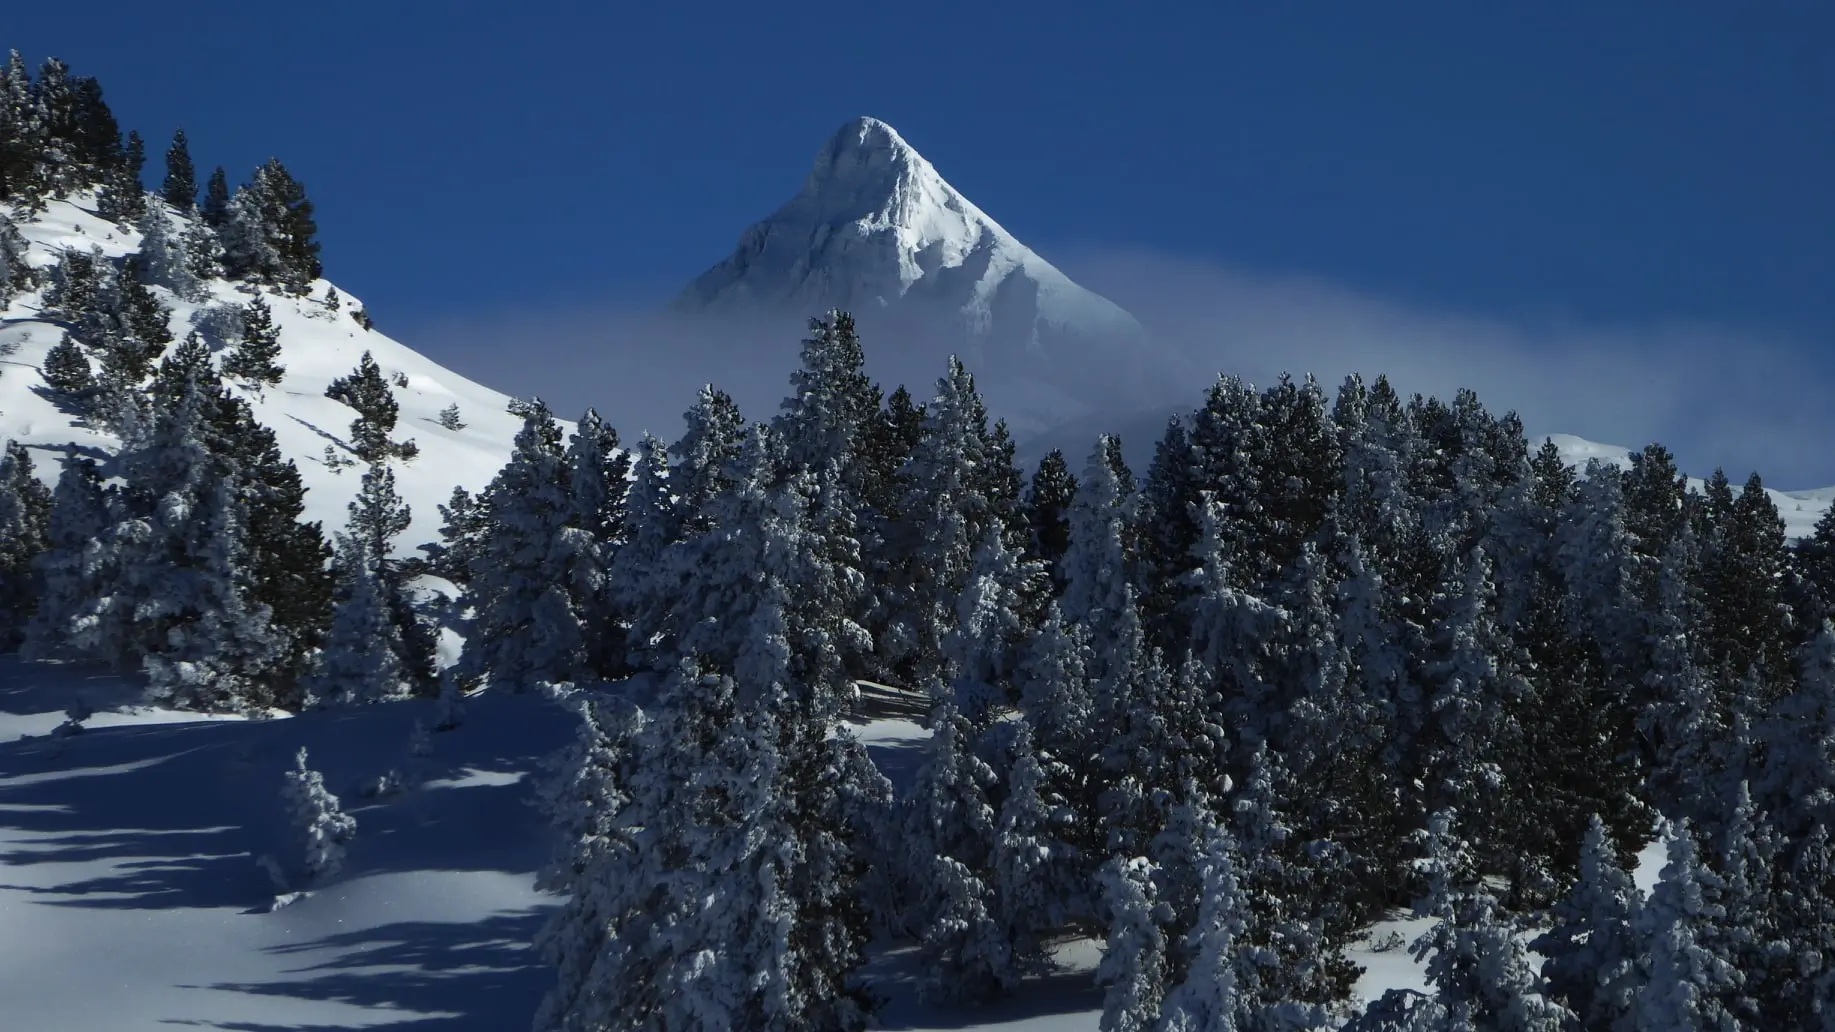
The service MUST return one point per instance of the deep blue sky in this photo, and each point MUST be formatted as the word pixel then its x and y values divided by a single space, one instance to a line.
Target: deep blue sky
pixel 1614 164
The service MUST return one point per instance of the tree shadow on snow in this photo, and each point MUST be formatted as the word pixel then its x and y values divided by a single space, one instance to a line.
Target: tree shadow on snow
pixel 474 977
pixel 894 977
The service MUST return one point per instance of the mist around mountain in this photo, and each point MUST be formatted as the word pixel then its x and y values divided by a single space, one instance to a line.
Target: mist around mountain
pixel 842 718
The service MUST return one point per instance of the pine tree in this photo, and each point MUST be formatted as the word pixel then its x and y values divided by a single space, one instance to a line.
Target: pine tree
pixel 525 628
pixel 377 516
pixel 464 522
pixel 74 565
pixel 253 358
pixel 162 257
pixel 644 578
pixel 449 418
pixel 66 371
pixel 1687 978
pixel 180 187
pixel 215 209
pixel 950 837
pixel 25 515
pixel 16 275
pixel 1592 948
pixel 361 661
pixel 1208 999
pixel 597 471
pixel 1096 566
pixel 365 390
pixel 122 198
pixel 703 456
pixel 1037 868
pixel 268 231
pixel 322 830
pixel 1047 503
pixel 1134 957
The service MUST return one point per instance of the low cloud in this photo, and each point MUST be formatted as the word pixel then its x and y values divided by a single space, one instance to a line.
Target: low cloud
pixel 1716 395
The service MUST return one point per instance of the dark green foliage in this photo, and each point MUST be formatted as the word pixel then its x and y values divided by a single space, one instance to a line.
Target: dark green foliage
pixel 254 357
pixel 25 517
pixel 464 522
pixel 216 199
pixel 365 390
pixel 67 371
pixel 180 187
pixel 1047 502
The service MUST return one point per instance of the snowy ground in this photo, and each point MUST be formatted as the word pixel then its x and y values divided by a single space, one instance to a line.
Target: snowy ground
pixel 317 346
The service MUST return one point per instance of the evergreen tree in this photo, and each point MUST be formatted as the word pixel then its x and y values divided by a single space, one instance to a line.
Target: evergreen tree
pixel 16 274
pixel 361 660
pixel 215 209
pixel 1047 503
pixel 163 258
pixel 1592 949
pixel 1096 565
pixel 449 418
pixel 25 516
pixel 365 390
pixel 268 231
pixel 1208 999
pixel 464 522
pixel 122 198
pixel 1687 978
pixel 704 456
pixel 1036 864
pixel 1134 957
pixel 253 358
pixel 66 371
pixel 74 566
pixel 377 516
pixel 644 578
pixel 321 829
pixel 598 471
pixel 951 836
pixel 525 629
pixel 180 187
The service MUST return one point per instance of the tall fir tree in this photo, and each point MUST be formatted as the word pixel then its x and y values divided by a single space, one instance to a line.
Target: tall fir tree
pixel 25 517
pixel 180 187
pixel 254 358
pixel 75 566
pixel 361 661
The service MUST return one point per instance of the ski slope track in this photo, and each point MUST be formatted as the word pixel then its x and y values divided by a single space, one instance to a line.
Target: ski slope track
pixel 317 344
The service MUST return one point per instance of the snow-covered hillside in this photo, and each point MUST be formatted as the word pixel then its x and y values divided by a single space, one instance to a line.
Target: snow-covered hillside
pixel 317 346
pixel 877 231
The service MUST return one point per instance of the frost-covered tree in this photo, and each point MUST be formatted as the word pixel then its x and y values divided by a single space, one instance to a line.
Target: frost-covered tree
pixel 450 419
pixel 985 648
pixel 1208 999
pixel 16 274
pixel 74 566
pixel 163 257
pixel 525 627
pixel 1479 970
pixel 254 358
pixel 1037 869
pixel 702 458
pixel 598 472
pixel 1592 949
pixel 268 231
pixel 1047 506
pixel 1688 979
pixel 950 835
pixel 67 372
pixel 322 831
pixel 360 662
pixel 25 517
pixel 1133 964
pixel 464 522
pixel 1095 568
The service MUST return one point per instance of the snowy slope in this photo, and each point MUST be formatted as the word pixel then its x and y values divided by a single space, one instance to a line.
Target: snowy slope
pixel 1800 509
pixel 877 231
pixel 317 346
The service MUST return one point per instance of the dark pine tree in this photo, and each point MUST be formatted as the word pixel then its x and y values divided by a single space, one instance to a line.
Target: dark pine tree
pixel 180 188
pixel 1047 506
pixel 66 371
pixel 254 358
pixel 365 390
pixel 216 200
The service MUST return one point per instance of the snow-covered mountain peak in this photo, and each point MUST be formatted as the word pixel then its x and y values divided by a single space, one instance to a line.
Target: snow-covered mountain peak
pixel 878 231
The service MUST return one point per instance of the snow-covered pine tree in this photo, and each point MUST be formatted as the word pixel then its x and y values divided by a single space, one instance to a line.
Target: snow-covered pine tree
pixel 180 186
pixel 984 649
pixel 1096 566
pixel 1234 633
pixel 1208 999
pixel 1133 967
pixel 1687 978
pixel 1592 948
pixel 450 419
pixel 1038 873
pixel 525 630
pixel 704 455
pixel 950 836
pixel 163 257
pixel 180 569
pixel 944 516
pixel 360 662
pixel 644 577
pixel 73 567
pixel 825 424
pixel 322 830
pixel 253 359
pixel 1479 970
pixel 464 522
pixel 598 472
pixel 67 373
pixel 16 275
pixel 1054 689
pixel 25 517
pixel 268 231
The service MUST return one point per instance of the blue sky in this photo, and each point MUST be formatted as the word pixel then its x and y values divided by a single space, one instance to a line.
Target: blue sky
pixel 1572 176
